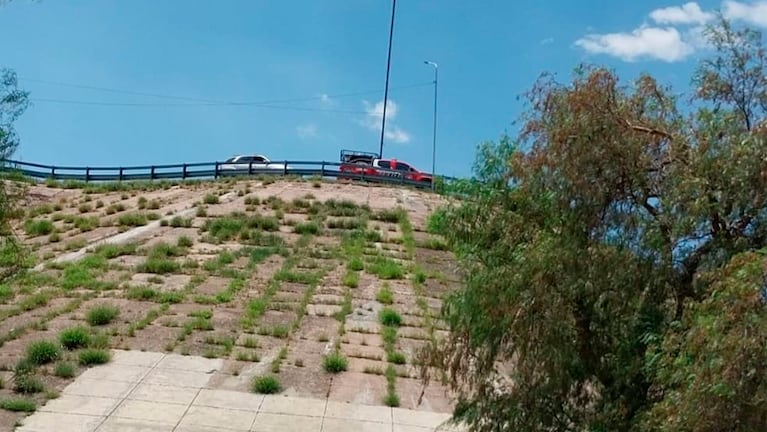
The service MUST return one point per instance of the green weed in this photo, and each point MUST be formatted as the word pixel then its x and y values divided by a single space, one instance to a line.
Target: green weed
pixel 94 356
pixel 308 278
pixel 396 357
pixel 38 227
pixel 132 219
pixel 6 293
pixel 385 295
pixel 185 242
pixel 159 266
pixel 110 251
pixel 43 352
pixel 210 199
pixel 386 268
pixel 310 228
pixel 351 279
pixel 27 384
pixel 335 363
pixel 141 293
pixel 180 222
pixel 64 370
pixel 18 405
pixel 355 264
pixel 266 384
pixel 390 318
pixel 74 337
pixel 102 315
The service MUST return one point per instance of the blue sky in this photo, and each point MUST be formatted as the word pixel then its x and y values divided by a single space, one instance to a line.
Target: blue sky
pixel 152 81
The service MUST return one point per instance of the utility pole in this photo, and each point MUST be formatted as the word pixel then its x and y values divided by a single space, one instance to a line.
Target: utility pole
pixel 434 130
pixel 386 91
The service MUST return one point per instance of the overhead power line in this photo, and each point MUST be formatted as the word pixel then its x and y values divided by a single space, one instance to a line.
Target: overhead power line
pixel 193 101
pixel 200 104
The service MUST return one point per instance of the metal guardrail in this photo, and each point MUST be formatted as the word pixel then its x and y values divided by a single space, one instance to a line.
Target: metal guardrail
pixel 200 170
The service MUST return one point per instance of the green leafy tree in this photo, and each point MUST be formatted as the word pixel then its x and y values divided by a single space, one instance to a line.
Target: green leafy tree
pixel 13 102
pixel 585 242
pixel 711 368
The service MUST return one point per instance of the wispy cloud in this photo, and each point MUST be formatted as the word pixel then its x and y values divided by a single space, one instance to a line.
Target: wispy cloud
pixel 672 33
pixel 306 131
pixel 688 13
pixel 661 43
pixel 754 13
pixel 374 118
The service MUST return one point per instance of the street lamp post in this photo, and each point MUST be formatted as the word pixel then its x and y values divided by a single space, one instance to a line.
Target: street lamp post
pixel 434 131
pixel 386 91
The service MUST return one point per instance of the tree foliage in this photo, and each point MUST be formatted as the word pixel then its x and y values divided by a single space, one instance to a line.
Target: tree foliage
pixel 13 102
pixel 596 248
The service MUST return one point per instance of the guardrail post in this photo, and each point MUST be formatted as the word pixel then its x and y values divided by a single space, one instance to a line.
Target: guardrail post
pixel 215 171
pixel 250 168
pixel 285 168
pixel 322 170
pixel 151 173
pixel 53 173
pixel 121 174
pixel 183 173
pixel 87 174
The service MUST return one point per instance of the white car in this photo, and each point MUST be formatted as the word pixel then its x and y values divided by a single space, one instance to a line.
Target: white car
pixel 244 164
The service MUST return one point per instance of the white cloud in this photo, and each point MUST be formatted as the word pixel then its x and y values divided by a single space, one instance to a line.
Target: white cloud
pixel 753 13
pixel 376 111
pixel 547 41
pixel 306 131
pixel 696 37
pixel 688 13
pixel 397 134
pixel 667 40
pixel 374 118
pixel 660 43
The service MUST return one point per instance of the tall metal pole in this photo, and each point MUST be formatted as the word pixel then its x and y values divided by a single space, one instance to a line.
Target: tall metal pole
pixel 434 131
pixel 386 91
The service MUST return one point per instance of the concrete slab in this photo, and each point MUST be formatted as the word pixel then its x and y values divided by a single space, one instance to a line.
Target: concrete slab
pixel 198 428
pixel 158 412
pixel 88 405
pixel 164 394
pixel 116 424
pixel 293 406
pixel 177 378
pixel 47 421
pixel 408 428
pixel 229 399
pixel 155 392
pixel 267 422
pixel 236 420
pixel 190 363
pixel 344 425
pixel 136 358
pixel 418 418
pixel 98 388
pixel 116 372
pixel 340 410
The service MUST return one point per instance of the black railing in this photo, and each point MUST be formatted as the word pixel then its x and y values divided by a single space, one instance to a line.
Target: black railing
pixel 204 170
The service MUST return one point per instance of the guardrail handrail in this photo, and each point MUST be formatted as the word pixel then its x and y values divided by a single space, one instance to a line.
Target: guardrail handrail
pixel 195 170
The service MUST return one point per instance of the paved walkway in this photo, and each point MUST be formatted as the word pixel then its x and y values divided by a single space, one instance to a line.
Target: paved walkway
pixel 156 392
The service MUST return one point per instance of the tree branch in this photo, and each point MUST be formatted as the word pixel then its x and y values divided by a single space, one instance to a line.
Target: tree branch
pixel 648 130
